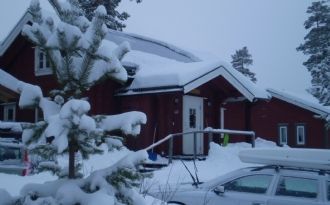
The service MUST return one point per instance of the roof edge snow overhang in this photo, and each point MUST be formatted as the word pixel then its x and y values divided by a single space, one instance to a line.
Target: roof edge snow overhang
pixel 166 45
pixel 5 44
pixel 151 90
pixel 313 108
pixel 186 88
pixel 232 79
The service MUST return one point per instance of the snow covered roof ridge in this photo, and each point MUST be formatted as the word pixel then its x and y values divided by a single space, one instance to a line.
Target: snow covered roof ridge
pixel 300 102
pixel 17 28
pixel 241 82
pixel 153 46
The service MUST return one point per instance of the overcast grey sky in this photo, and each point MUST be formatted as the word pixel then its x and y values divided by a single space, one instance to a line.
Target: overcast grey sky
pixel 271 29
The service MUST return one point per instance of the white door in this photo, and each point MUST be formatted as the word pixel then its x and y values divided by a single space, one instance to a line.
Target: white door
pixel 192 121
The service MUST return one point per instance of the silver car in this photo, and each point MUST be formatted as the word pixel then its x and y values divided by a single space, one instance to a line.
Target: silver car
pixel 268 185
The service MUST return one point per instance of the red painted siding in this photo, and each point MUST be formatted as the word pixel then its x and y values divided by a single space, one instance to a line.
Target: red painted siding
pixel 164 117
pixel 266 116
pixel 164 110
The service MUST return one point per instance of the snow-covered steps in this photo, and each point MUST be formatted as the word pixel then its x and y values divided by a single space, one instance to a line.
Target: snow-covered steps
pixel 189 157
pixel 152 166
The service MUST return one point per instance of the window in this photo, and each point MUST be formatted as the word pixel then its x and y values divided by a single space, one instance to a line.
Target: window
pixel 42 66
pixel 297 187
pixel 257 184
pixel 300 134
pixel 283 134
pixel 192 118
pixel 9 112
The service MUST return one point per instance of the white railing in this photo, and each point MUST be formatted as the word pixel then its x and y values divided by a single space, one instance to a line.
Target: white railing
pixel 209 131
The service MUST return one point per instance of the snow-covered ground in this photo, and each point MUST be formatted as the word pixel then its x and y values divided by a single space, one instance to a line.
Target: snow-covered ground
pixel 220 160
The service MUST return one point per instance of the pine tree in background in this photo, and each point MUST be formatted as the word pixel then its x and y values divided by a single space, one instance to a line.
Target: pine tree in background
pixel 241 61
pixel 114 18
pixel 317 47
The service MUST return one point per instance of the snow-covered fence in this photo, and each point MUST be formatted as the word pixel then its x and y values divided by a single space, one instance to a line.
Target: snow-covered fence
pixel 209 131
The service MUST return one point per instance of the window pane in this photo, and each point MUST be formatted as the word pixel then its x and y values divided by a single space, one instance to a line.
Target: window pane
pixel 283 135
pixel 41 59
pixel 10 114
pixel 251 184
pixel 297 187
pixel 47 63
pixel 300 134
pixel 192 118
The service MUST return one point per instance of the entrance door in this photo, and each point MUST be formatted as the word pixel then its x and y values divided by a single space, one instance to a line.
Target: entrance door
pixel 192 121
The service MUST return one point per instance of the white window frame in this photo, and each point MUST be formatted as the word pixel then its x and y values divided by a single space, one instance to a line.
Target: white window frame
pixel 301 127
pixel 6 108
pixel 44 69
pixel 280 127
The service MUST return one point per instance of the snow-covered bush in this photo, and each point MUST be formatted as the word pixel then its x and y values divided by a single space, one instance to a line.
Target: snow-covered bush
pixel 79 57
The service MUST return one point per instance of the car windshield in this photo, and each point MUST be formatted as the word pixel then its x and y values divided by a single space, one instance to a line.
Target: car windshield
pixel 251 184
pixel 10 153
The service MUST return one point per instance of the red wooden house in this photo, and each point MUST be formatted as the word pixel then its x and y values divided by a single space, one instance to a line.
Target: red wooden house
pixel 177 90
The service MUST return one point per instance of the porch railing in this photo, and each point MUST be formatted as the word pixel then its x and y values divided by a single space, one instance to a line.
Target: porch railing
pixel 209 131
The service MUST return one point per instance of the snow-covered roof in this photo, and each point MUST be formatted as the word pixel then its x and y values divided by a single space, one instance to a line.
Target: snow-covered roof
pixel 152 46
pixel 159 74
pixel 305 102
pixel 137 42
pixel 163 67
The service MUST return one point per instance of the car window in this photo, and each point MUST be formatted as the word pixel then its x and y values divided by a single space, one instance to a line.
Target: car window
pixel 251 184
pixel 9 153
pixel 297 187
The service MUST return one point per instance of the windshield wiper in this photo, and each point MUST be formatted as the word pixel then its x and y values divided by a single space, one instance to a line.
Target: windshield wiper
pixel 195 182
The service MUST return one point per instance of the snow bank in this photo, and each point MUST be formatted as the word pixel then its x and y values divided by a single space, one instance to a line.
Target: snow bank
pixel 5 198
pixel 220 160
pixel 100 187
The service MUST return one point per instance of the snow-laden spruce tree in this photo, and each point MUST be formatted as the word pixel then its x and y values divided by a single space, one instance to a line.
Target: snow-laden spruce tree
pixel 241 61
pixel 317 48
pixel 80 57
pixel 115 19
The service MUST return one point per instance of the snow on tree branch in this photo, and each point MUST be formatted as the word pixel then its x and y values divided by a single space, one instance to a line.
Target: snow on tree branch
pixel 129 123
pixel 75 46
pixel 92 190
pixel 80 57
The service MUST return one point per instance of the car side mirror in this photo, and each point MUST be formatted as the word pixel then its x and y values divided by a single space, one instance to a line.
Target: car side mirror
pixel 219 190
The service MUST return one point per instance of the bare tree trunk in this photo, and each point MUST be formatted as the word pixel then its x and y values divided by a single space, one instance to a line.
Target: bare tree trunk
pixel 72 151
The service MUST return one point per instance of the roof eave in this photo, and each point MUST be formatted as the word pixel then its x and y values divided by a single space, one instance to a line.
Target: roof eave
pixel 298 103
pixel 222 71
pixel 14 32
